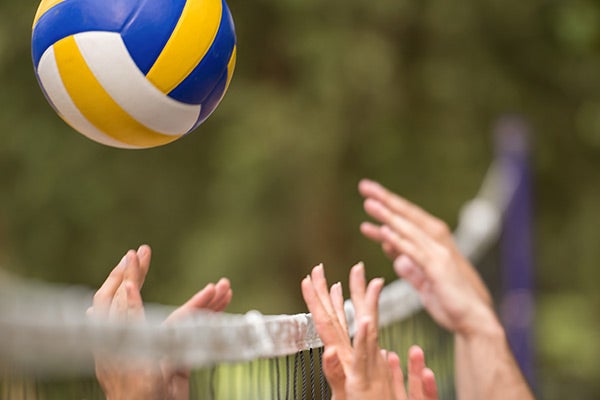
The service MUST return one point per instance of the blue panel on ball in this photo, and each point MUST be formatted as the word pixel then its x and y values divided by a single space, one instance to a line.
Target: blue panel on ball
pixel 212 101
pixel 149 30
pixel 200 83
pixel 74 16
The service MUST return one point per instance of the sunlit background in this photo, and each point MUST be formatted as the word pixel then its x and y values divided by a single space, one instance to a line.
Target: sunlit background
pixel 325 93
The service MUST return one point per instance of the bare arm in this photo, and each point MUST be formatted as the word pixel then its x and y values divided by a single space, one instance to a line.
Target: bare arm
pixel 452 292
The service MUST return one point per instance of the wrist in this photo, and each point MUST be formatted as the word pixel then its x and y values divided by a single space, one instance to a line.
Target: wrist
pixel 482 324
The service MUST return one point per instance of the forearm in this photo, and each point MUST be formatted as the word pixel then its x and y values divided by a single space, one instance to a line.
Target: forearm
pixel 486 368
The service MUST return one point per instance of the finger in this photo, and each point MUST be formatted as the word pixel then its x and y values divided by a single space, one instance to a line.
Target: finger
pixel 389 250
pixel 334 372
pixel 319 282
pixel 397 376
pixel 337 298
pixel 420 255
pixel 373 232
pixel 416 364
pixel 118 307
pixel 357 289
pixel 361 361
pixel 400 205
pixel 198 301
pixel 383 367
pixel 402 226
pixel 372 299
pixel 327 325
pixel 222 297
pixel 104 296
pixel 430 391
pixel 409 270
pixel 225 300
pixel 326 318
pixel 135 305
pixel 133 271
pixel 144 254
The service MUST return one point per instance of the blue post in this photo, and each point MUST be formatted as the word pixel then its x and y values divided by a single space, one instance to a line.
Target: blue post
pixel 517 305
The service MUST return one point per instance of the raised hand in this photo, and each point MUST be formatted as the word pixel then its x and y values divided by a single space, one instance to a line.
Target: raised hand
pixel 119 299
pixel 360 369
pixel 425 254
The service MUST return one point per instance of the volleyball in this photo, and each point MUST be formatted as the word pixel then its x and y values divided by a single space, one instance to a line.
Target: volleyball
pixel 133 73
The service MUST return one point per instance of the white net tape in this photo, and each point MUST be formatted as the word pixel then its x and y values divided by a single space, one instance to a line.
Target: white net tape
pixel 44 329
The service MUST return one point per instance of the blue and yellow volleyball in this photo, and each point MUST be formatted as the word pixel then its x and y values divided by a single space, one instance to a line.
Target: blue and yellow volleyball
pixel 134 73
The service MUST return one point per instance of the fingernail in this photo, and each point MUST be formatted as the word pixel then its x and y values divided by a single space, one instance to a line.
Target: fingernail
pixel 337 287
pixel 318 272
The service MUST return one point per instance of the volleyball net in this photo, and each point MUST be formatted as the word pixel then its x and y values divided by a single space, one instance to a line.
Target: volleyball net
pixel 47 341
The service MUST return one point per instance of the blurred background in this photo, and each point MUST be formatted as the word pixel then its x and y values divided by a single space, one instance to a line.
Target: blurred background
pixel 326 93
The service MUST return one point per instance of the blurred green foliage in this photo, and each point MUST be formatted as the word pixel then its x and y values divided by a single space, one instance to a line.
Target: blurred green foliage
pixel 326 93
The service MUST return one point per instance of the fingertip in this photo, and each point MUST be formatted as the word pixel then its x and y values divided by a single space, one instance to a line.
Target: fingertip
pixel 363 185
pixel 366 185
pixel 208 291
pixel 416 352
pixel 307 288
pixel 318 270
pixel 393 359
pixel 370 203
pixel 358 268
pixel 428 374
pixel 416 358
pixel 365 227
pixel 209 287
pixel 223 283
pixel 143 250
pixel 337 290
pixel 330 354
pixel 306 280
pixel 131 257
pixel 122 264
pixel 429 384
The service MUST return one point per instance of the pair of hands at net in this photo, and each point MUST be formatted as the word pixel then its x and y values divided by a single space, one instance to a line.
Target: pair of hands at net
pixel 425 254
pixel 119 299
pixel 359 369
